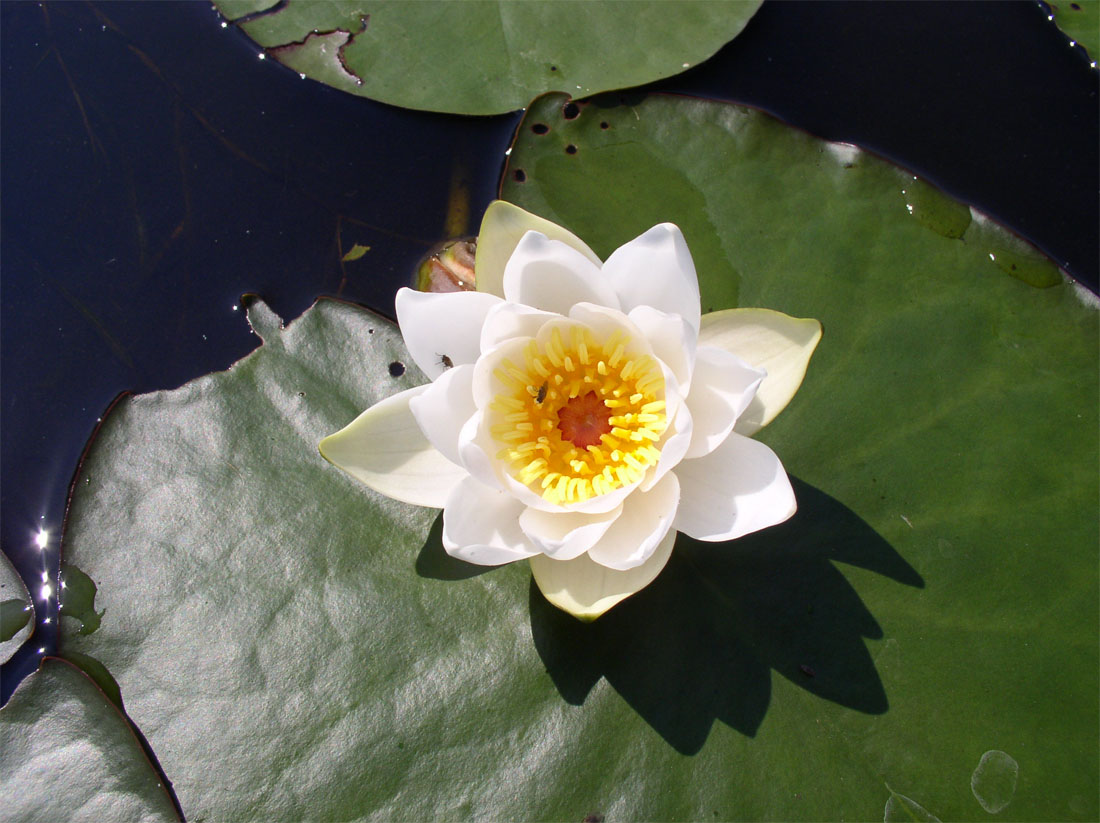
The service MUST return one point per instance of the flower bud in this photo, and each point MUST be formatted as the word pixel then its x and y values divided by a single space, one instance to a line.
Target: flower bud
pixel 448 267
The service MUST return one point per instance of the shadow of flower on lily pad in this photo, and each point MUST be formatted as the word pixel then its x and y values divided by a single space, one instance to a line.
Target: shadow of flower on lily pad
pixel 433 561
pixel 698 644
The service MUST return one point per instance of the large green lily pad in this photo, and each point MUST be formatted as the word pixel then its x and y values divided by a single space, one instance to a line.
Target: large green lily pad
pixel 487 56
pixel 67 754
pixel 294 646
pixel 952 405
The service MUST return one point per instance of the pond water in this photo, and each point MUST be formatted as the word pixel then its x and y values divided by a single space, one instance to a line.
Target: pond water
pixel 154 169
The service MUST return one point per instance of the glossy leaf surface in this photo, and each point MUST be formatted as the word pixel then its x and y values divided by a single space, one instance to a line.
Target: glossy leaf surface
pixel 487 56
pixel 952 405
pixel 67 754
pixel 294 646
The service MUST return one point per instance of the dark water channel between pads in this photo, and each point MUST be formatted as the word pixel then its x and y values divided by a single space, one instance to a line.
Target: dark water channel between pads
pixel 154 169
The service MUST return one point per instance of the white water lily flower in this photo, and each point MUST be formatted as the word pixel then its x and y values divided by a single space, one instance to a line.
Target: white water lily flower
pixel 581 413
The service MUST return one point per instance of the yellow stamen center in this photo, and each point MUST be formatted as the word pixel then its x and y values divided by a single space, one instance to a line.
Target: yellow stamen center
pixel 579 417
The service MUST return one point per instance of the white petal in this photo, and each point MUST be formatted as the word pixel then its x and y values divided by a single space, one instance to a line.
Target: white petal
pixel 646 519
pixel 486 381
pixel 442 325
pixel 586 589
pixel 674 446
pixel 723 387
pixel 481 525
pixel 501 229
pixel 672 339
pixel 656 269
pixel 444 408
pixel 474 447
pixel 385 449
pixel 605 321
pixel 509 320
pixel 564 535
pixel 738 488
pixel 778 343
pixel 549 275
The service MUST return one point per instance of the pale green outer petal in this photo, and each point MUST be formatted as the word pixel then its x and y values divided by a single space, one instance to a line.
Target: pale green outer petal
pixel 778 343
pixel 586 589
pixel 384 448
pixel 501 229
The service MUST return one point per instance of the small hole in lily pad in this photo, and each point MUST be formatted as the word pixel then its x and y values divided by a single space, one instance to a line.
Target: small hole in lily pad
pixel 605 125
pixel 397 368
pixel 520 175
pixel 553 68
pixel 570 111
pixel 540 128
pixel 570 149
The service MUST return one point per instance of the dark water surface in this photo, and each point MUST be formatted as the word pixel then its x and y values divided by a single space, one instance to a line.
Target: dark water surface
pixel 154 169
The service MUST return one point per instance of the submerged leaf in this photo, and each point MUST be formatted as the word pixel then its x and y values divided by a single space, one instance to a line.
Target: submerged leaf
pixel 14 615
pixel 78 598
pixel 16 610
pixel 355 252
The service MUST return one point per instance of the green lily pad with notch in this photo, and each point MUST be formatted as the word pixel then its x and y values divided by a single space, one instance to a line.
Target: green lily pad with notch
pixel 16 610
pixel 67 754
pixel 952 405
pixel 295 646
pixel 487 56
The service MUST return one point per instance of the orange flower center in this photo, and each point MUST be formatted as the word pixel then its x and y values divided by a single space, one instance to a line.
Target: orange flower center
pixel 584 420
pixel 578 416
